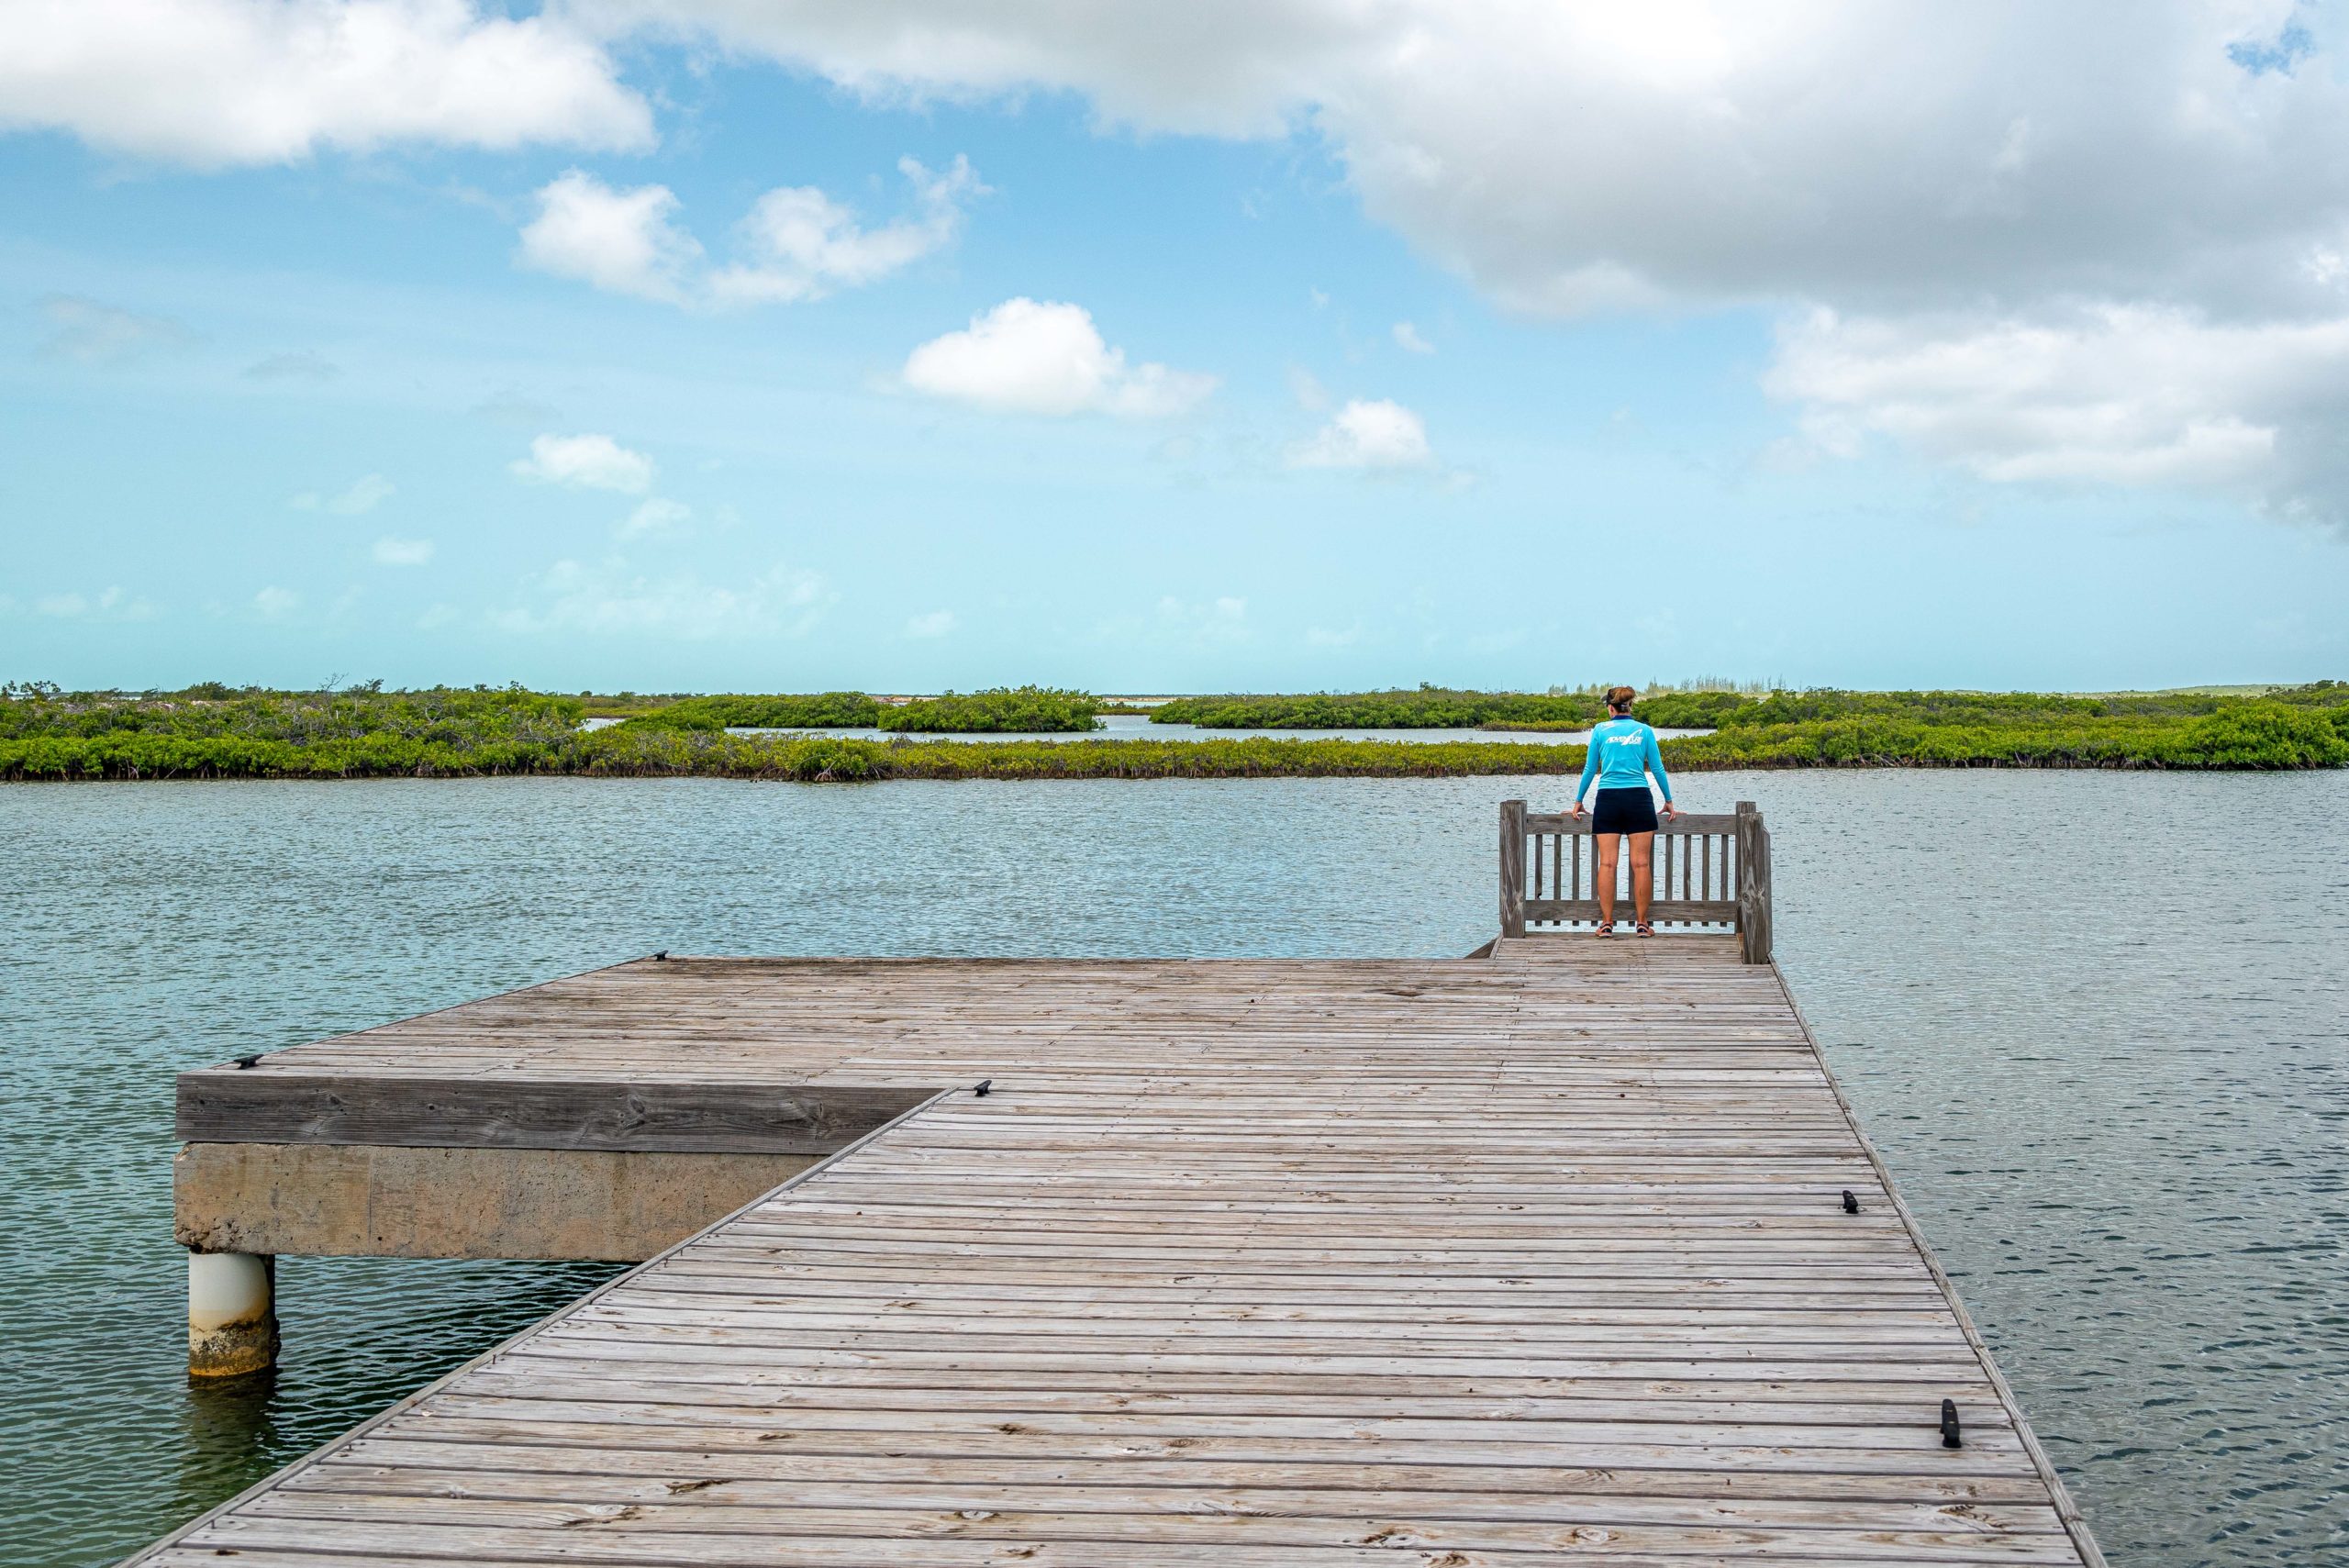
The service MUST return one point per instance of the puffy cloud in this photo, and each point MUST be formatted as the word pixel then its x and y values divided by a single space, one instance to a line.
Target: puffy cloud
pixel 619 240
pixel 364 494
pixel 1223 67
pixel 111 604
pixel 1957 178
pixel 392 551
pixel 612 596
pixel 655 514
pixel 274 602
pixel 224 81
pixel 1407 337
pixel 937 623
pixel 1026 356
pixel 1566 156
pixel 796 244
pixel 2121 394
pixel 1367 434
pixel 96 334
pixel 801 244
pixel 585 462
pixel 1952 180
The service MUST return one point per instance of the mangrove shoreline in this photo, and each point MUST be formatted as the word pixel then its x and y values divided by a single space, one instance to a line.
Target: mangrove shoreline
pixel 483 732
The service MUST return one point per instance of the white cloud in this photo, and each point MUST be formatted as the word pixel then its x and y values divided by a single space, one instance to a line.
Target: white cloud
pixel 363 495
pixel 585 462
pixel 1307 388
pixel 1367 434
pixel 1989 172
pixel 393 551
pixel 1224 67
pixel 2128 395
pixel 110 603
pixel 209 83
pixel 275 604
pixel 937 623
pixel 98 334
pixel 1407 337
pixel 1567 155
pixel 1971 170
pixel 613 597
pixel 655 515
pixel 801 244
pixel 1026 357
pixel 619 240
pixel 796 244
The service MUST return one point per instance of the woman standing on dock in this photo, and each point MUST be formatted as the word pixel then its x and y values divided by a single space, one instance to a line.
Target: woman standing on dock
pixel 1621 754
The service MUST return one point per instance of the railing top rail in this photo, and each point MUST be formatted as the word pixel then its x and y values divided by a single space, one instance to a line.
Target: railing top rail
pixel 1687 822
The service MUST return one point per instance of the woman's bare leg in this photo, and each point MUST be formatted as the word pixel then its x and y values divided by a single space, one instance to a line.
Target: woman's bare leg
pixel 1610 846
pixel 1642 874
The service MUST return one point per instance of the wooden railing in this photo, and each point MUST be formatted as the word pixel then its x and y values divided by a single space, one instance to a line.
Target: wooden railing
pixel 1710 870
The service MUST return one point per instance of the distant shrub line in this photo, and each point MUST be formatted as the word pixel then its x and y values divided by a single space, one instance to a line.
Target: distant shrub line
pixel 366 732
pixel 1428 707
pixel 999 710
pixel 2264 736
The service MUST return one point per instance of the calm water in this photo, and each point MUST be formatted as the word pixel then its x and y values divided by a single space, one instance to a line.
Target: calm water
pixel 2098 1025
pixel 1136 726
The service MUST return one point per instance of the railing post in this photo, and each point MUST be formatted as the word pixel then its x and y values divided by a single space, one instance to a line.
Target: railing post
pixel 1753 885
pixel 1513 868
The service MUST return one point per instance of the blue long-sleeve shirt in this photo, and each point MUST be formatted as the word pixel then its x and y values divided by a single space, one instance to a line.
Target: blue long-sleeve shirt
pixel 1622 753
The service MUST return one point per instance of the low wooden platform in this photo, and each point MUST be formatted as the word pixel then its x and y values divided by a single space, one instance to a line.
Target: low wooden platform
pixel 1532 1259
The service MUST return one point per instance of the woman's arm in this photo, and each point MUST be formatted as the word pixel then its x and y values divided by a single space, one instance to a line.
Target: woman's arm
pixel 1589 769
pixel 1655 766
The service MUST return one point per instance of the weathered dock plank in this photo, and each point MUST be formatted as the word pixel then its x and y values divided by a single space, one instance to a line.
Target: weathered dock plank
pixel 1531 1259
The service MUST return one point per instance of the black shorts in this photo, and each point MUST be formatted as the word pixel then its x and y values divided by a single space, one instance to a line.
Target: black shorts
pixel 1623 811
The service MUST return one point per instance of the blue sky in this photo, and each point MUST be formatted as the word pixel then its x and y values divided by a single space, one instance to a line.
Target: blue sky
pixel 1185 383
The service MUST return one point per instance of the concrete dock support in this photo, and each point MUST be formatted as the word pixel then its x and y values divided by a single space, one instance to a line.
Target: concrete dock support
pixel 232 1314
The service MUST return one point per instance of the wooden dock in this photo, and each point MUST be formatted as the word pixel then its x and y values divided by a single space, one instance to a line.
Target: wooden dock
pixel 1537 1257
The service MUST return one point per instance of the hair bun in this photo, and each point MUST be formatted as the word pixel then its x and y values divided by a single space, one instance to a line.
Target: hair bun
pixel 1621 697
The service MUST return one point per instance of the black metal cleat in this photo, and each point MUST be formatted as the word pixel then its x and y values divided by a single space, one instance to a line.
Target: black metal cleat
pixel 661 957
pixel 1850 1204
pixel 1949 1437
pixel 984 1086
pixel 243 1062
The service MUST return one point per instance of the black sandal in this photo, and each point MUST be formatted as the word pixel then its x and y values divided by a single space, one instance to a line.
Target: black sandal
pixel 1606 929
pixel 1644 929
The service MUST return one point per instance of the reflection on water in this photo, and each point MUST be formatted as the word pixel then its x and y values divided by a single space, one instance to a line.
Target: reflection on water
pixel 2094 1021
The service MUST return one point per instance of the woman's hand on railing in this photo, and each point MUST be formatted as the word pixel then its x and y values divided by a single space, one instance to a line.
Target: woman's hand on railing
pixel 1671 812
pixel 1577 810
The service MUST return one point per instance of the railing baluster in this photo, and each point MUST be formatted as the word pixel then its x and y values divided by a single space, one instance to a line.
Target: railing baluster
pixel 1663 883
pixel 1512 888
